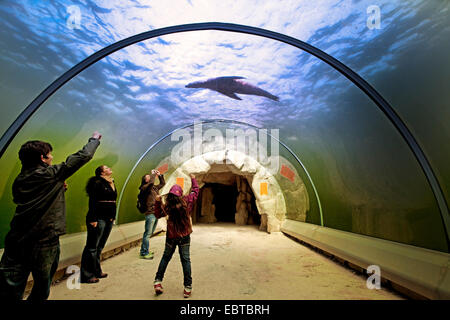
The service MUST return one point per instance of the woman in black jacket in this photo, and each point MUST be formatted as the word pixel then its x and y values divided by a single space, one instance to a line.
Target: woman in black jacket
pixel 99 221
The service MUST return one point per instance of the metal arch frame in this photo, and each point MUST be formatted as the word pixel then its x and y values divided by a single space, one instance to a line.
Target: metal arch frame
pixel 222 121
pixel 382 104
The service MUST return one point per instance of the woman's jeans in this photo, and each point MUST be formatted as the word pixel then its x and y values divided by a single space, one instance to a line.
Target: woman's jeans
pixel 183 248
pixel 96 240
pixel 150 226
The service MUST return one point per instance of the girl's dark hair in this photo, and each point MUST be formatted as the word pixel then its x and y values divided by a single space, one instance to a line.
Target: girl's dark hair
pixel 143 180
pixel 92 180
pixel 176 208
pixel 31 151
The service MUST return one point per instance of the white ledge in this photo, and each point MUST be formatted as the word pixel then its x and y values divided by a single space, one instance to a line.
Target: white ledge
pixel 420 270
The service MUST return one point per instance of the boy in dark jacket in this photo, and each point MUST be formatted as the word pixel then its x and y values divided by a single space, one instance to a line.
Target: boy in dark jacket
pixel 152 190
pixel 32 244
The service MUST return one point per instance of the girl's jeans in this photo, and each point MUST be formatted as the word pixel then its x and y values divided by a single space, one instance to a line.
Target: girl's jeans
pixel 183 248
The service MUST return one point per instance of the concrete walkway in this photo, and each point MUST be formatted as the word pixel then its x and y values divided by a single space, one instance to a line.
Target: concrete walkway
pixel 229 262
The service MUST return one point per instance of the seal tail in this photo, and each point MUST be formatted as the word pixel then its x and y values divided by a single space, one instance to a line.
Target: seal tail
pixel 272 97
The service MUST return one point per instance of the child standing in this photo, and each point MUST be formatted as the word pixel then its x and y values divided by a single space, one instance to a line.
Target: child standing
pixel 179 228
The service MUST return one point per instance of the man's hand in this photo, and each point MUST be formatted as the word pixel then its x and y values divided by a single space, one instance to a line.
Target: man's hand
pixel 158 198
pixel 192 176
pixel 96 135
pixel 94 224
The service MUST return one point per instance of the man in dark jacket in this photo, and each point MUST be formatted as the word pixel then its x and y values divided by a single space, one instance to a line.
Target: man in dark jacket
pixel 32 244
pixel 152 190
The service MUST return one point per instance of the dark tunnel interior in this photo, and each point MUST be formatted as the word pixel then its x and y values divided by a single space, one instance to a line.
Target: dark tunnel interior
pixel 218 202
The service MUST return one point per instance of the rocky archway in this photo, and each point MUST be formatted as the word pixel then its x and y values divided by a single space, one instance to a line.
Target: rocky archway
pixel 251 178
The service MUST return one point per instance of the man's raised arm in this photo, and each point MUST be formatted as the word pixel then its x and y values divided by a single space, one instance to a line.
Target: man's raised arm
pixel 75 161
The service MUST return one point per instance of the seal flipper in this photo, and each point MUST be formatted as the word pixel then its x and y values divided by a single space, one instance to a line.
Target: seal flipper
pixel 229 94
pixel 271 96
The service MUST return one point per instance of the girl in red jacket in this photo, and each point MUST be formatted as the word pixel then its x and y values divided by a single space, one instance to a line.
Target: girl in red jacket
pixel 179 228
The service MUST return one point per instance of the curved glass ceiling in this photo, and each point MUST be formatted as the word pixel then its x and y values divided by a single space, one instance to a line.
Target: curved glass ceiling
pixel 367 178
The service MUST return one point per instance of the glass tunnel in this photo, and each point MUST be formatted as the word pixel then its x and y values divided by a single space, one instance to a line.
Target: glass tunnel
pixel 250 114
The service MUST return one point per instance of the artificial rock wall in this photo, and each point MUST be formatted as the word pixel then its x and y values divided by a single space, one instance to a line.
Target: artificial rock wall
pixel 222 167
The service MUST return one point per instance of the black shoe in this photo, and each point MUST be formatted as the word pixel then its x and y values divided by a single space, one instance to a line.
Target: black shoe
pixel 91 280
pixel 103 275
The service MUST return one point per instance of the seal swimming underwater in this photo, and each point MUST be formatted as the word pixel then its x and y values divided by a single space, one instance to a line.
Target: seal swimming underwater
pixel 229 86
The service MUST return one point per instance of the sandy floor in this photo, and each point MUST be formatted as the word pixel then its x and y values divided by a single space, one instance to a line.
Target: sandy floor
pixel 229 262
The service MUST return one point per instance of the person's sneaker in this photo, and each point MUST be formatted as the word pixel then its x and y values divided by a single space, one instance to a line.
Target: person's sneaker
pixel 147 256
pixel 187 292
pixel 158 287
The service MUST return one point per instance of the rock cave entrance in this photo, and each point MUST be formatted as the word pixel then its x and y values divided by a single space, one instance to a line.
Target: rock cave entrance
pixel 259 201
pixel 226 197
